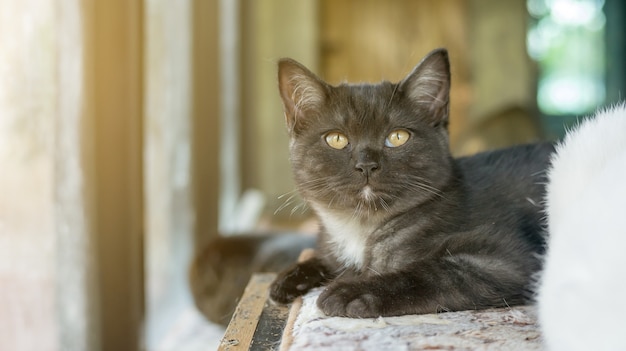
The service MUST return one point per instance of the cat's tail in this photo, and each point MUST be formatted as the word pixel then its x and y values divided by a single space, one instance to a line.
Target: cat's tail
pixel 582 291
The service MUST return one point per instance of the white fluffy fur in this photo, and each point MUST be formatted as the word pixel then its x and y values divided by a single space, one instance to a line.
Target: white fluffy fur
pixel 582 293
pixel 348 235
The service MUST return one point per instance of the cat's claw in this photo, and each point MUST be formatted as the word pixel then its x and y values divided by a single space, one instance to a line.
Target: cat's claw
pixel 287 286
pixel 349 300
pixel 294 282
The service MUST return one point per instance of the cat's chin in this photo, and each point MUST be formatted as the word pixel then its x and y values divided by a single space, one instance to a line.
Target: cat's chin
pixel 368 194
pixel 366 206
pixel 371 205
pixel 365 201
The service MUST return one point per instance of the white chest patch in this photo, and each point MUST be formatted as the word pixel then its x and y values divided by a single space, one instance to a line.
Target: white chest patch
pixel 348 236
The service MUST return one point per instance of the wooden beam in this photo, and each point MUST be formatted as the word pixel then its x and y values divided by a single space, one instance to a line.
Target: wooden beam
pixel 113 39
pixel 256 324
pixel 205 119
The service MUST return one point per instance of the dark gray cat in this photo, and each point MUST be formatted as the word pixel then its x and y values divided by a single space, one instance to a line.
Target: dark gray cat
pixel 405 227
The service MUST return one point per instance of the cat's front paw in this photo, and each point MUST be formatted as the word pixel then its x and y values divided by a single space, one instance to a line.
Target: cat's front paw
pixel 295 282
pixel 345 299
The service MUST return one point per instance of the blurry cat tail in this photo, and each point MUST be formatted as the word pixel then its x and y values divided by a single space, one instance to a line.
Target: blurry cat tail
pixel 221 270
pixel 583 285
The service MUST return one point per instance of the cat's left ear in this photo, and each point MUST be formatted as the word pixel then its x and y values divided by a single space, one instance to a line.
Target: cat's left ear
pixel 428 85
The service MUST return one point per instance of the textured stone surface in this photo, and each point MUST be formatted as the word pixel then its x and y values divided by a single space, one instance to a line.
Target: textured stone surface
pixel 496 329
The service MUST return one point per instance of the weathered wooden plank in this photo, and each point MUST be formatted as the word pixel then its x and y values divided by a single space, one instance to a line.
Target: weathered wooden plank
pixel 257 324
pixel 242 327
pixel 269 330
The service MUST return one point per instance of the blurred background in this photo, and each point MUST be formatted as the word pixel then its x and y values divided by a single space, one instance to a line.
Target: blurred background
pixel 133 131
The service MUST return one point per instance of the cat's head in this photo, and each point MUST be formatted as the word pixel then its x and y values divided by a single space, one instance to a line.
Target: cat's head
pixel 369 148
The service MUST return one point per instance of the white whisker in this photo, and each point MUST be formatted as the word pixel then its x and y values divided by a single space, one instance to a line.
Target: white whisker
pixel 384 204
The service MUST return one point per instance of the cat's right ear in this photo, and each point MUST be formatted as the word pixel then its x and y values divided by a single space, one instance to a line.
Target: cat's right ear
pixel 302 92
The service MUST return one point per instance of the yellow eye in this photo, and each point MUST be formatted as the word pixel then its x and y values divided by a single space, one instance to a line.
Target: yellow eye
pixel 397 138
pixel 336 140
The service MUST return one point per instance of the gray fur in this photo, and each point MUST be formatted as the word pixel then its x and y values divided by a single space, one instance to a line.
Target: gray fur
pixel 417 231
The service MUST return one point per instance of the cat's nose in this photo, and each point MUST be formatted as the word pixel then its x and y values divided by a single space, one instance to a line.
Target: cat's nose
pixel 367 168
pixel 367 161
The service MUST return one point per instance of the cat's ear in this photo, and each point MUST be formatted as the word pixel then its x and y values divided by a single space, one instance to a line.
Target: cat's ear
pixel 429 85
pixel 302 91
